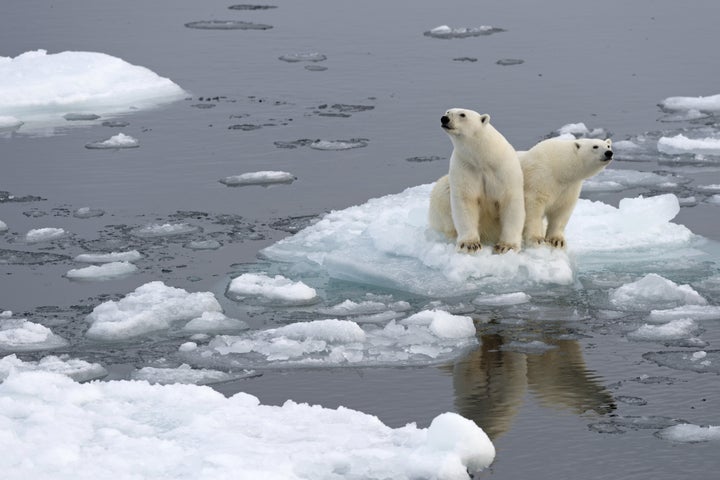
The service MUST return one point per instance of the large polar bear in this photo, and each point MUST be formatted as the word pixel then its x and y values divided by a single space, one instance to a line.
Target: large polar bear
pixel 553 173
pixel 481 198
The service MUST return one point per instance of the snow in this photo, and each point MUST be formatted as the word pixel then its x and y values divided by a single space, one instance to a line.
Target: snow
pixel 277 289
pixel 258 178
pixel 106 271
pixel 673 330
pixel 77 369
pixel 680 144
pixel 151 307
pixel 115 142
pixel 386 242
pixel 21 335
pixel 654 290
pixel 137 430
pixel 128 256
pixel 689 433
pixel 706 104
pixel 38 85
pixel 185 374
pixel 428 337
pixel 44 234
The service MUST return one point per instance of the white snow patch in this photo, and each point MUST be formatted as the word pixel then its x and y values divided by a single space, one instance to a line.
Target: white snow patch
pixel 179 431
pixel 653 290
pixel 44 234
pixel 129 256
pixel 258 178
pixel 40 86
pixel 273 289
pixel 706 104
pixel 78 370
pixel 98 273
pixel 116 141
pixel 20 335
pixel 185 374
pixel 680 144
pixel 151 307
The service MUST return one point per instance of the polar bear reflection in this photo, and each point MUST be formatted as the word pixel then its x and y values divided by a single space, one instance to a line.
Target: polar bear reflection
pixel 490 383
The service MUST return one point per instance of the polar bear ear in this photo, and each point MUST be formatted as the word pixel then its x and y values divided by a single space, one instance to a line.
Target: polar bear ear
pixel 485 119
pixel 577 145
pixel 609 142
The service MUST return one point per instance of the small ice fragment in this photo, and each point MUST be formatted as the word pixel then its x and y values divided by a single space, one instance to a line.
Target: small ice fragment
pixel 44 234
pixel 106 271
pixel 258 178
pixel 87 212
pixel 3 226
pixel 276 288
pixel 129 256
pixel 115 142
pixel 303 57
pixel 19 335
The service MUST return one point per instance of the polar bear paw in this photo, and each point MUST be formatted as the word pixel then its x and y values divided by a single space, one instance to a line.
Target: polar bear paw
pixel 557 241
pixel 468 246
pixel 535 241
pixel 503 247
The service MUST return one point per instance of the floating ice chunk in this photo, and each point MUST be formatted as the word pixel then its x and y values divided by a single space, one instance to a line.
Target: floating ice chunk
pixel 3 226
pixel 214 322
pixel 689 433
pixel 680 144
pixel 9 123
pixel 186 431
pixel 272 289
pixel 44 234
pixel 515 298
pixel 98 273
pixel 715 199
pixel 695 312
pixel 6 314
pixel 673 330
pixel 653 290
pixel 705 104
pixel 532 347
pixel 203 245
pixel 36 85
pixel 614 180
pixel 129 256
pixel 348 308
pixel 579 130
pixel 87 212
pixel 164 230
pixel 303 57
pixel 700 361
pixel 186 374
pixel 445 32
pixel 424 338
pixel 20 335
pixel 115 142
pixel 78 370
pixel 258 178
pixel 151 307
pixel 227 25
pixel 339 144
pixel 712 188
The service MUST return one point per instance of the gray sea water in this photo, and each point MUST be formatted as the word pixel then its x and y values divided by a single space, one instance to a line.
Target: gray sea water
pixel 367 74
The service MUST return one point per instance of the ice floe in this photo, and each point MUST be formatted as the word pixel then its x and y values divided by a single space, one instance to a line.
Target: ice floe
pixel 446 32
pixel 689 433
pixel 203 245
pixel 21 335
pixel 580 130
pixel 614 180
pixel 386 242
pixel 514 298
pixel 339 144
pixel 214 322
pixel 680 144
pixel 700 361
pixel 115 142
pixel 45 234
pixel 428 337
pixel 706 104
pixel 186 374
pixel 654 290
pixel 75 368
pixel 258 178
pixel 673 330
pixel 154 230
pixel 694 312
pixel 38 85
pixel 273 290
pixel 98 273
pixel 151 307
pixel 189 431
pixel 87 212
pixel 128 256
pixel 3 226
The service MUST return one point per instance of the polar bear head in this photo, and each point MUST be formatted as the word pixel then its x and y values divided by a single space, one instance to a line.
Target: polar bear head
pixel 593 154
pixel 459 122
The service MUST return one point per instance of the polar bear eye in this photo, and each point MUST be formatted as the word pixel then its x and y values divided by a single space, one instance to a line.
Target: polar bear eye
pixel 462 115
pixel 595 147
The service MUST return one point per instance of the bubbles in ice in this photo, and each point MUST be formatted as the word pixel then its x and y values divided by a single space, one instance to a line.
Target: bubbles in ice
pixel 505 62
pixel 303 57
pixel 156 230
pixel 446 32
pixel 99 273
pixel 21 335
pixel 76 117
pixel 273 290
pixel 115 142
pixel 87 212
pixel 700 361
pixel 46 234
pixel 227 25
pixel 258 178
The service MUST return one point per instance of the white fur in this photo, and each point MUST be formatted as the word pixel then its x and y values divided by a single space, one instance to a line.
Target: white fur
pixel 553 173
pixel 481 198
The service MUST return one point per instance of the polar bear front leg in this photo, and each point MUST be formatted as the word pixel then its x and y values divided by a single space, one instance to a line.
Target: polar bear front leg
pixel 534 230
pixel 557 221
pixel 466 216
pixel 512 218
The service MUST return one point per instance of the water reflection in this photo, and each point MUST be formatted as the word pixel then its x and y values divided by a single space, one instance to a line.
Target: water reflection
pixel 491 383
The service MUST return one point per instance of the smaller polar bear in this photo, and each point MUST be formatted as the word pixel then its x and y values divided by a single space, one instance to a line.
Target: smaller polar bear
pixel 553 173
pixel 481 198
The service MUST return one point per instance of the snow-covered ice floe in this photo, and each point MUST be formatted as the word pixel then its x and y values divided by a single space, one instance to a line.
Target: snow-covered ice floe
pixel 258 178
pixel 132 429
pixel 42 86
pixel 273 290
pixel 680 144
pixel 75 368
pixel 129 256
pixel 186 374
pixel 98 273
pixel 114 143
pixel 705 104
pixel 21 335
pixel 387 242
pixel 614 180
pixel 689 433
pixel 45 234
pixel 427 337
pixel 654 290
pixel 446 32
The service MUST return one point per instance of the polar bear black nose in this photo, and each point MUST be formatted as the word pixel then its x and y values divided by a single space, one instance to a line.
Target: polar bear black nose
pixel 444 119
pixel 608 154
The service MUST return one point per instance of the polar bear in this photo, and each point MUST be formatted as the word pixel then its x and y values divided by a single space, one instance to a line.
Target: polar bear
pixel 481 198
pixel 553 172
